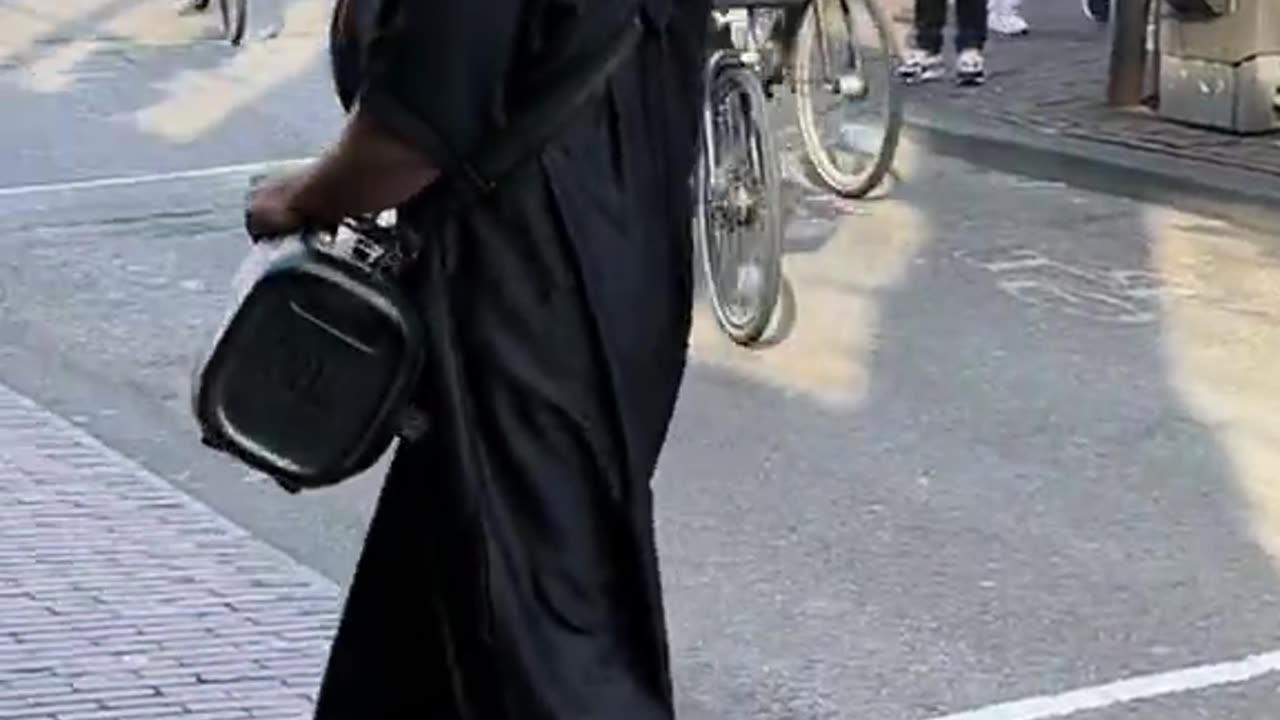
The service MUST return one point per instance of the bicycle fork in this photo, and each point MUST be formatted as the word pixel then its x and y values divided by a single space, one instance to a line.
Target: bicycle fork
pixel 850 84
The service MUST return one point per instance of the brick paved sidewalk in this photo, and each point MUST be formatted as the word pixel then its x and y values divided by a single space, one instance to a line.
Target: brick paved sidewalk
pixel 122 598
pixel 1053 82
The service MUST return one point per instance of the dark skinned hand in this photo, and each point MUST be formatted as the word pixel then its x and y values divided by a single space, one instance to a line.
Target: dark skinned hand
pixel 272 210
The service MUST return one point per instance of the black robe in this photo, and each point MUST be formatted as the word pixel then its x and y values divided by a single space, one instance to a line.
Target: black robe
pixel 523 583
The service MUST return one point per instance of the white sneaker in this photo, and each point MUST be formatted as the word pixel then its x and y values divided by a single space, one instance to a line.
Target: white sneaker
pixel 971 67
pixel 920 66
pixel 1004 18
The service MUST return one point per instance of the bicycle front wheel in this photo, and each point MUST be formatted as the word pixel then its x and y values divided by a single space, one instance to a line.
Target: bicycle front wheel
pixel 847 104
pixel 235 19
pixel 738 222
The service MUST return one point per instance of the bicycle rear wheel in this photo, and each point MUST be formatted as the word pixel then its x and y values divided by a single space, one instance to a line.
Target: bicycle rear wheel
pixel 235 19
pixel 847 103
pixel 738 219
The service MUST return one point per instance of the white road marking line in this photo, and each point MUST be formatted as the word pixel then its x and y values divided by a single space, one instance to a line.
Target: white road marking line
pixel 1144 687
pixel 127 180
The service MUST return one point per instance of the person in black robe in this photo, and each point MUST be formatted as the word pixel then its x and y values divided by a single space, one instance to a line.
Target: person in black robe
pixel 523 585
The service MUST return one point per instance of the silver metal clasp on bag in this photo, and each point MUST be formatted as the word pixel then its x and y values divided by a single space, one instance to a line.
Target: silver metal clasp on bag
pixel 373 244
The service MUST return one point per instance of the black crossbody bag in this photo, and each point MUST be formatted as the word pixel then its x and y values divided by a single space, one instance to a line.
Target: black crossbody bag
pixel 313 374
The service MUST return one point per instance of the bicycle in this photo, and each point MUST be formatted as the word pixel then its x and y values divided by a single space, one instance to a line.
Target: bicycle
pixel 738 206
pixel 737 191
pixel 235 17
pixel 861 155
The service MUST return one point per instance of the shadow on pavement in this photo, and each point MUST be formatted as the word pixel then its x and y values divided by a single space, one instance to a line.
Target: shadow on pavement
pixel 111 87
pixel 1019 443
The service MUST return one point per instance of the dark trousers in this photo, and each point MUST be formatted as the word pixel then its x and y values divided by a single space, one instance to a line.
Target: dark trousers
pixel 971 24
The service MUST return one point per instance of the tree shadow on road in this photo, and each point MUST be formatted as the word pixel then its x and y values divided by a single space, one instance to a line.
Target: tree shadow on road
pixel 1021 443
pixel 1019 440
pixel 111 87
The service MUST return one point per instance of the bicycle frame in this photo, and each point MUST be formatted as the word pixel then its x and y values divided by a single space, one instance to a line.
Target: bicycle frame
pixel 745 34
pixel 748 37
pixel 815 48
pixel 752 39
pixel 744 51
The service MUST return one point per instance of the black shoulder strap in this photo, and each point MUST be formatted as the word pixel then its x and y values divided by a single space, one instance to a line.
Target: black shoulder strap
pixel 658 12
pixel 534 125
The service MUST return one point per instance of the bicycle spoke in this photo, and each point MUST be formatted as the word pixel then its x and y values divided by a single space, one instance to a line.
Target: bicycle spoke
pixel 847 103
pixel 739 218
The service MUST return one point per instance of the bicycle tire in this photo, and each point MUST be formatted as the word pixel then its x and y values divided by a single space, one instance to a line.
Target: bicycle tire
pixel 765 252
pixel 845 184
pixel 235 19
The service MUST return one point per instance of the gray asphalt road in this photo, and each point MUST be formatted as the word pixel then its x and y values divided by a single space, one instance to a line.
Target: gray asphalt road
pixel 1018 443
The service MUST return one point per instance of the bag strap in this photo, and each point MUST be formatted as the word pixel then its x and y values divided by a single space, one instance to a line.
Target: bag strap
pixel 577 79
pixel 574 81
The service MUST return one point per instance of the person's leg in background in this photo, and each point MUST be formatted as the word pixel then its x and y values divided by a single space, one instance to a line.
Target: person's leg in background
pixel 1098 11
pixel 923 61
pixel 971 38
pixel 1005 17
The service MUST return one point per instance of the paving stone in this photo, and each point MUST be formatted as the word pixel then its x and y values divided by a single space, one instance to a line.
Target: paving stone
pixel 124 598
pixel 1054 80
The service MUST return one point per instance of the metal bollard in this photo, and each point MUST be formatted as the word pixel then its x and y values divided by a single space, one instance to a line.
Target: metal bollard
pixel 1128 65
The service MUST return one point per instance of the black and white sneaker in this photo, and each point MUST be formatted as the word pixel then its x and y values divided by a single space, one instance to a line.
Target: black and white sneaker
pixel 971 67
pixel 919 66
pixel 1098 11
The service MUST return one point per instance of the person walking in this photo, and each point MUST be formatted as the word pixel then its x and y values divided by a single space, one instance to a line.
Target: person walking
pixel 924 60
pixel 517 578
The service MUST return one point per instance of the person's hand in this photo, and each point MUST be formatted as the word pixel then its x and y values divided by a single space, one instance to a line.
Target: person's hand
pixel 272 210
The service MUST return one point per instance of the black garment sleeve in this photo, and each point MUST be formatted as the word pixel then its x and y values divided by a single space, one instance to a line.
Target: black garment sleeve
pixel 436 72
